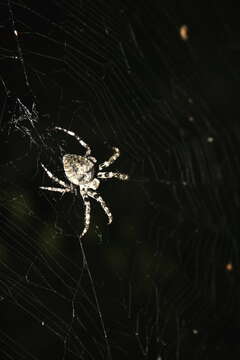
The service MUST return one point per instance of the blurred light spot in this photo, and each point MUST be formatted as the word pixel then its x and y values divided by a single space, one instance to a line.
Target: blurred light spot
pixel 210 139
pixel 184 32
pixel 229 267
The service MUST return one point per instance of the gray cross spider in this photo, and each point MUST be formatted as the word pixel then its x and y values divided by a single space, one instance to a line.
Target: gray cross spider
pixel 83 173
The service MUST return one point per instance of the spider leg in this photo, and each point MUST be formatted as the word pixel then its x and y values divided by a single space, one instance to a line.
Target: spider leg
pixel 55 189
pixel 113 158
pixel 109 175
pixel 60 182
pixel 87 213
pixel 104 206
pixel 71 133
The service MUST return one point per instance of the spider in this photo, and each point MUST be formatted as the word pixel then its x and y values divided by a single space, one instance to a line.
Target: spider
pixel 83 173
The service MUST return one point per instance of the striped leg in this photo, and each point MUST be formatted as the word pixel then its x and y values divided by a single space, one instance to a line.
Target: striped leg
pixel 98 198
pixel 55 189
pixel 109 175
pixel 114 157
pixel 71 133
pixel 87 214
pixel 60 182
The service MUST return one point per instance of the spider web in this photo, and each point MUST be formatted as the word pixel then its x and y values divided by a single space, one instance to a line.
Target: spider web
pixel 162 281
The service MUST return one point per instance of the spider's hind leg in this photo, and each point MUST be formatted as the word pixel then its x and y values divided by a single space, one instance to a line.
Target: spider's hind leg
pixel 87 214
pixel 98 198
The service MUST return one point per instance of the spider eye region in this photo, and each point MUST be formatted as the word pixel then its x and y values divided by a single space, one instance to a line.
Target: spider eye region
pixel 78 169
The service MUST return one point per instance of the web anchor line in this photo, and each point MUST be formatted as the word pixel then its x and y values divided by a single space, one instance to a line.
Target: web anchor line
pixel 86 266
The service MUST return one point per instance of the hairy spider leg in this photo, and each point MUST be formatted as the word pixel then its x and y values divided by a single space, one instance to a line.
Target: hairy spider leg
pixel 113 158
pixel 104 206
pixel 55 189
pixel 87 213
pixel 71 133
pixel 60 182
pixel 109 175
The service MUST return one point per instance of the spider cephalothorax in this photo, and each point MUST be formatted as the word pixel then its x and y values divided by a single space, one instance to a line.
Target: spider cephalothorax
pixel 82 172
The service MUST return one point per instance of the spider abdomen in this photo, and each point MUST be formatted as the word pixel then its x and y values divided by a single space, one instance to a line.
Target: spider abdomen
pixel 78 169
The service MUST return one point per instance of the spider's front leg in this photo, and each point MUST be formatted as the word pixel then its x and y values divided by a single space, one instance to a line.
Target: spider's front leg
pixel 71 133
pixel 98 198
pixel 113 158
pixel 109 175
pixel 87 213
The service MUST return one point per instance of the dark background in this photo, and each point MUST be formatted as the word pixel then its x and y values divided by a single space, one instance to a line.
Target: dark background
pixel 160 80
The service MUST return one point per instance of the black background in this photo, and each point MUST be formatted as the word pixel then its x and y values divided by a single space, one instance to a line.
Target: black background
pixel 161 282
